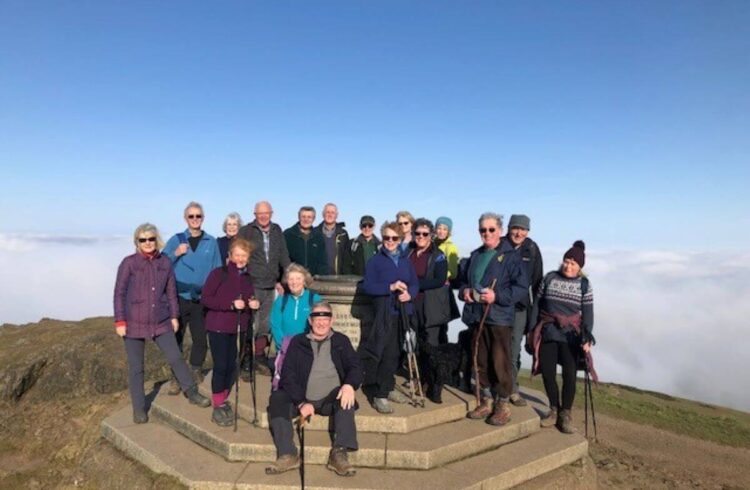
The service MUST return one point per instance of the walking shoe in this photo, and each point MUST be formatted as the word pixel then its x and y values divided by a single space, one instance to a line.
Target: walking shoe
pixel 228 410
pixel 338 462
pixel 435 393
pixel 219 417
pixel 550 419
pixel 197 374
pixel 283 463
pixel 501 414
pixel 174 387
pixel 397 397
pixel 564 422
pixel 517 400
pixel 140 416
pixel 483 410
pixel 194 397
pixel 382 405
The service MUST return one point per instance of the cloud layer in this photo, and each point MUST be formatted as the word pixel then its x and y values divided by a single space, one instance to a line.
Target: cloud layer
pixel 666 321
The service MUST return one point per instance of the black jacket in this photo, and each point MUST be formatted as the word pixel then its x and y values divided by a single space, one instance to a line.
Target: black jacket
pixel 310 252
pixel 531 257
pixel 357 250
pixel 342 262
pixel 266 273
pixel 299 360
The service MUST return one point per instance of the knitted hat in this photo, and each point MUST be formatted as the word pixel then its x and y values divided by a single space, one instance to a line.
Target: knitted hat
pixel 366 220
pixel 444 220
pixel 577 252
pixel 519 221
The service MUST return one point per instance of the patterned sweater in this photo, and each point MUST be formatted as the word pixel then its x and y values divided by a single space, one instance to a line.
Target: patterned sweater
pixel 559 295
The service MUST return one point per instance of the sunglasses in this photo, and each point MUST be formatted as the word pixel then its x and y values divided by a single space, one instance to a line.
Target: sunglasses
pixel 366 225
pixel 324 314
pixel 487 230
pixel 404 223
pixel 151 239
pixel 195 216
pixel 387 238
pixel 422 233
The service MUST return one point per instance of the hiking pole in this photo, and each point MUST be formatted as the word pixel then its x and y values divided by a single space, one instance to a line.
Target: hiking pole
pixel 587 380
pixel 301 435
pixel 415 383
pixel 237 367
pixel 586 404
pixel 253 384
pixel 480 330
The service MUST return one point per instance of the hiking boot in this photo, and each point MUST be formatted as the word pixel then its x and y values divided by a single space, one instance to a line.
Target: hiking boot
pixel 197 374
pixel 338 462
pixel 140 416
pixel 483 410
pixel 195 398
pixel 501 414
pixel 517 400
pixel 565 422
pixel 397 397
pixel 382 405
pixel 550 419
pixel 261 366
pixel 435 393
pixel 283 463
pixel 221 417
pixel 174 387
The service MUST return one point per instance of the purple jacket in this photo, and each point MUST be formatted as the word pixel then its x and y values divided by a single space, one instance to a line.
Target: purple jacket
pixel 222 287
pixel 146 295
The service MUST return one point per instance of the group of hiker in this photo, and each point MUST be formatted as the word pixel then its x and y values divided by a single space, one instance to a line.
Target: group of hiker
pixel 256 278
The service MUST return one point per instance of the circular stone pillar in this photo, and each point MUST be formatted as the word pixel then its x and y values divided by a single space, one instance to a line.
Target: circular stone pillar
pixel 352 309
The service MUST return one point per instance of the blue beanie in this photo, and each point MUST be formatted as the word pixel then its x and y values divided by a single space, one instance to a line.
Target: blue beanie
pixel 444 220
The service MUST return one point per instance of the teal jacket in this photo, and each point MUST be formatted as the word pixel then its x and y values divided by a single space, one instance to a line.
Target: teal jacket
pixel 293 319
pixel 191 270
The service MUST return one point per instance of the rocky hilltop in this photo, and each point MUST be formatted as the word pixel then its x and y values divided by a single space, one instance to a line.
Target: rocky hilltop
pixel 59 380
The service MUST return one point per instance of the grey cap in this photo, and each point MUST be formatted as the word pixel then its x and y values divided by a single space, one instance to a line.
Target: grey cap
pixel 519 221
pixel 366 219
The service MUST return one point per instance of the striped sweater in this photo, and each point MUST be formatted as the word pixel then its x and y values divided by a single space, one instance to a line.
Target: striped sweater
pixel 559 295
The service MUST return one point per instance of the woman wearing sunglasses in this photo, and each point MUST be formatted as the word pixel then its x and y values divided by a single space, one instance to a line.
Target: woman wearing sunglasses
pixel 146 307
pixel 405 222
pixel 390 280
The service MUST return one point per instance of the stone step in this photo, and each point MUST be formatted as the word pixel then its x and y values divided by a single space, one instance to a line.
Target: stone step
pixel 405 418
pixel 163 450
pixel 422 449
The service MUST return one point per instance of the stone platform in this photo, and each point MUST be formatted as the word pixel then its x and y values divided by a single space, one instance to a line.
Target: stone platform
pixel 433 446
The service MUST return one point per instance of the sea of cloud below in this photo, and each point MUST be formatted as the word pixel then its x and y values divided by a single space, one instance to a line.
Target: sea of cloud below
pixel 665 321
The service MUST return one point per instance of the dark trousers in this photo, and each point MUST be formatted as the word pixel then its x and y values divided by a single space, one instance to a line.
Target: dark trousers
pixel 191 314
pixel 135 348
pixel 224 354
pixel 550 355
pixel 493 359
pixel 519 326
pixel 388 363
pixel 281 410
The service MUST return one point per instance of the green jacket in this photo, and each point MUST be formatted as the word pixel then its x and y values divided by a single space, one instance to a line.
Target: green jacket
pixel 310 252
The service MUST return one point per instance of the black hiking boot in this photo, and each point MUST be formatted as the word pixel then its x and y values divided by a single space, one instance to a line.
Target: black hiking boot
pixel 194 397
pixel 222 415
pixel 565 422
pixel 140 416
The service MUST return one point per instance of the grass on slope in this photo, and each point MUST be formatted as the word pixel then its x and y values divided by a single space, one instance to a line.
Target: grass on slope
pixel 690 418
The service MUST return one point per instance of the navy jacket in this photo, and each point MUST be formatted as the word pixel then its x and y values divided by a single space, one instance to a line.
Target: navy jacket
pixel 381 272
pixel 512 286
pixel 299 360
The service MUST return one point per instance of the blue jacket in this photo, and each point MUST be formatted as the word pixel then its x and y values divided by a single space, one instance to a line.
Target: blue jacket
pixel 191 270
pixel 511 287
pixel 381 272
pixel 293 319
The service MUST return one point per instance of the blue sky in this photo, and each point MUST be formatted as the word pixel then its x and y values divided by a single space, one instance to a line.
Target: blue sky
pixel 623 123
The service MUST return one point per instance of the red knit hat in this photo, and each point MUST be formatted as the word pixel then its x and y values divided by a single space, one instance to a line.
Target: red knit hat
pixel 577 252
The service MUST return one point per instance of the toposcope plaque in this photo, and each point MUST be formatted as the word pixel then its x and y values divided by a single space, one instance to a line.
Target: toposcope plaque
pixel 352 309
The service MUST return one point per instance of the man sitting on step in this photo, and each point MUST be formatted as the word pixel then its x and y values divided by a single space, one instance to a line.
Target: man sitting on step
pixel 320 374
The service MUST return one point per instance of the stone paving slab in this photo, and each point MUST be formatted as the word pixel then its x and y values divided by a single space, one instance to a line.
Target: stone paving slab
pixel 163 450
pixel 405 419
pixel 420 450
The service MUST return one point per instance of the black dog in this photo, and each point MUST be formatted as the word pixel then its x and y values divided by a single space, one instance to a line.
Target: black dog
pixel 446 364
